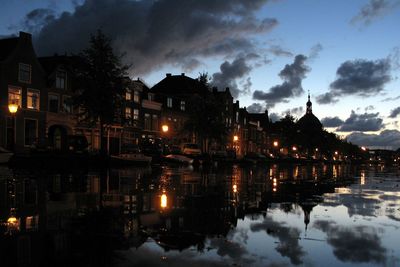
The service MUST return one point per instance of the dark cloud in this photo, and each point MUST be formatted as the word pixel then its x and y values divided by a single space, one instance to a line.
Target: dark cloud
pixel 35 20
pixel 358 77
pixel 279 51
pixel 297 111
pixel 315 50
pixel 167 31
pixel 362 122
pixel 288 245
pixel 274 117
pixel 374 10
pixel 359 244
pixel 232 249
pixel 394 113
pixel 369 108
pixel 389 139
pixel 256 108
pixel 331 122
pixel 292 76
pixel 327 98
pixel 391 99
pixel 229 73
pixel 394 58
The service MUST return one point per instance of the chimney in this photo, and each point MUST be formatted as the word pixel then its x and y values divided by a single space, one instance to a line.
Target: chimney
pixel 168 74
pixel 25 36
pixel 182 74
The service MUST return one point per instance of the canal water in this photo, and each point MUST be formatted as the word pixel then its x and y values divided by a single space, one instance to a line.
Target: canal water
pixel 272 215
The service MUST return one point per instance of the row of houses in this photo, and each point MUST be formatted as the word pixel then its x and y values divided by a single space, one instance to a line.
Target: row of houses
pixel 42 88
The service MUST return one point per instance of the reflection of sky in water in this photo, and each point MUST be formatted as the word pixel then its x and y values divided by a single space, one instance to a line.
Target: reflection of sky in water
pixel 356 226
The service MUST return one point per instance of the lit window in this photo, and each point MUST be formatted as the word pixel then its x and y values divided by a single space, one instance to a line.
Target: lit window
pixel 53 103
pixel 136 114
pixel 67 104
pixel 14 95
pixel 33 99
pixel 61 78
pixel 128 95
pixel 24 73
pixel 169 102
pixel 128 113
pixel 136 96
pixel 183 105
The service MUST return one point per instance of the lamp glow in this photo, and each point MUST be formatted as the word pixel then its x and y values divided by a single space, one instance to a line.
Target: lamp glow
pixel 235 138
pixel 164 201
pixel 165 128
pixel 13 108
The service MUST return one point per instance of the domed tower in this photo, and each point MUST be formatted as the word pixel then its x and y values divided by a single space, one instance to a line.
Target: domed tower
pixel 309 122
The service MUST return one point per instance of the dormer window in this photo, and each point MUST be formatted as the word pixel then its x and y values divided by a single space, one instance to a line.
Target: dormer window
pixel 169 102
pixel 61 79
pixel 24 73
pixel 136 97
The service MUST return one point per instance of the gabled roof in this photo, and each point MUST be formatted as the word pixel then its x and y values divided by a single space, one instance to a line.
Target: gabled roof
pixel 7 46
pixel 180 85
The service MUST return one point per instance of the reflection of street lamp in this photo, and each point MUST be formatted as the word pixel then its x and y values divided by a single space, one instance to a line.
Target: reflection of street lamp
pixel 294 148
pixel 163 201
pixel 13 108
pixel 235 138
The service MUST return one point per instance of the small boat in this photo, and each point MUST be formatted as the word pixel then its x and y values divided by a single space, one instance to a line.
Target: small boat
pixel 130 159
pixel 5 155
pixel 180 159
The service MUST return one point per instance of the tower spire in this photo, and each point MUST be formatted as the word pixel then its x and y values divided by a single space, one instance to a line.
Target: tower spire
pixel 309 104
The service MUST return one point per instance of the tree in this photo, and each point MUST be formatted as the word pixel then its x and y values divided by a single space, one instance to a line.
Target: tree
pixel 100 91
pixel 206 120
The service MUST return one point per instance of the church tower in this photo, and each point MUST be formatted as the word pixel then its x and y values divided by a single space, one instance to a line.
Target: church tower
pixel 309 105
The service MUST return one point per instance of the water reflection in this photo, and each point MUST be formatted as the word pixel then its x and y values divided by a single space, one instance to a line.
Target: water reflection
pixel 278 214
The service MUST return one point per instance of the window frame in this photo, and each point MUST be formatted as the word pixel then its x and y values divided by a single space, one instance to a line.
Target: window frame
pixel 31 90
pixel 21 71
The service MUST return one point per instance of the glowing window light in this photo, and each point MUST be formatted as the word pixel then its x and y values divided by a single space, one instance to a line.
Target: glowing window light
pixel 164 201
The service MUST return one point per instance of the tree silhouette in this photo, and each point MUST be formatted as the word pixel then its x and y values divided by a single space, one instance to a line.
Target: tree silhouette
pixel 100 89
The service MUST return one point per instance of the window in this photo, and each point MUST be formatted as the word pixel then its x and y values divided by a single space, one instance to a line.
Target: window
pixel 169 102
pixel 53 103
pixel 14 95
pixel 128 113
pixel 150 96
pixel 30 131
pixel 183 105
pixel 67 104
pixel 154 123
pixel 135 114
pixel 136 97
pixel 237 117
pixel 147 122
pixel 24 73
pixel 128 95
pixel 61 79
pixel 33 99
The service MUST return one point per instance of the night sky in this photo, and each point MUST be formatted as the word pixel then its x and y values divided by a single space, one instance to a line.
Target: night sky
pixel 270 53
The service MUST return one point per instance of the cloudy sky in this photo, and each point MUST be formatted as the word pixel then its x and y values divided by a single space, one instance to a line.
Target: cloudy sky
pixel 268 52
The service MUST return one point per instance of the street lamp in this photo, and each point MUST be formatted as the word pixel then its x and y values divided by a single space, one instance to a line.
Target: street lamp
pixel 13 108
pixel 165 128
pixel 276 144
pixel 235 138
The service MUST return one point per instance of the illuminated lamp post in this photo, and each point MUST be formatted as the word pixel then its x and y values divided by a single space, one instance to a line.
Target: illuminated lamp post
pixel 13 108
pixel 165 129
pixel 235 144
